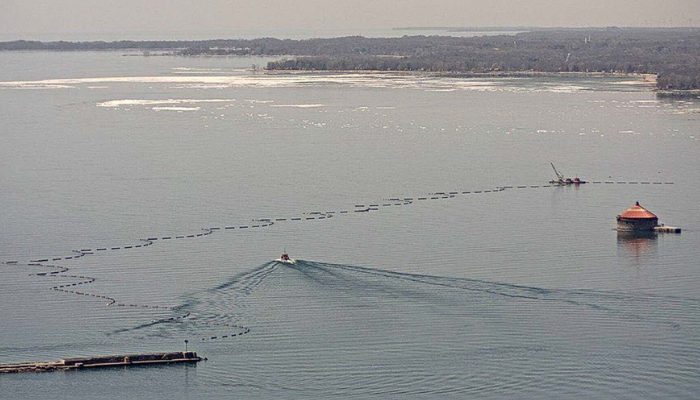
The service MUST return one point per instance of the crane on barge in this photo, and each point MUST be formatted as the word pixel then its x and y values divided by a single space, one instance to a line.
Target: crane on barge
pixel 561 181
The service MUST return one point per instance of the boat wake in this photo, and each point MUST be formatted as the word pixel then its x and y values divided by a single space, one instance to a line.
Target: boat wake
pixel 349 285
pixel 619 304
pixel 315 272
pixel 396 333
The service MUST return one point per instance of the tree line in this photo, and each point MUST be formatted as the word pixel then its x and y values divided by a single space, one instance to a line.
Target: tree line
pixel 673 54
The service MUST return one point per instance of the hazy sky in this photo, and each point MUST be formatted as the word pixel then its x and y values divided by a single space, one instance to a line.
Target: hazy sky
pixel 29 18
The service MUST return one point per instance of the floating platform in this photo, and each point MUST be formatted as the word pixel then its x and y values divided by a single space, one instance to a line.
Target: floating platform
pixel 667 229
pixel 103 362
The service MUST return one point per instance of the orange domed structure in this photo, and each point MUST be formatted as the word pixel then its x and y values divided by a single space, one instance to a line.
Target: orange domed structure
pixel 637 219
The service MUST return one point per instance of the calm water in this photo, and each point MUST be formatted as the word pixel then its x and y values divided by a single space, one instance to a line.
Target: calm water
pixel 522 292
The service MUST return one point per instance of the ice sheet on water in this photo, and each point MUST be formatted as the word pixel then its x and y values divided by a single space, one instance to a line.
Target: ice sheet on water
pixel 298 105
pixel 176 108
pixel 213 79
pixel 159 102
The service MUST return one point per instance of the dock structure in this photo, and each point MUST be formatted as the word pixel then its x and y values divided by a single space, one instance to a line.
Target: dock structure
pixel 667 229
pixel 103 362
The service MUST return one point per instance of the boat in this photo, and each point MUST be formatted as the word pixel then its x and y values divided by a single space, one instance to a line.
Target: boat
pixel 561 181
pixel 285 259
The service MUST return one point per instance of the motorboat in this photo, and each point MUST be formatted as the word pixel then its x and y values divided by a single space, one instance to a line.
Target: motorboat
pixel 285 259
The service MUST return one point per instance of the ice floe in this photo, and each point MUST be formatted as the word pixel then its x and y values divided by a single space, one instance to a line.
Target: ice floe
pixel 158 102
pixel 176 108
pixel 298 105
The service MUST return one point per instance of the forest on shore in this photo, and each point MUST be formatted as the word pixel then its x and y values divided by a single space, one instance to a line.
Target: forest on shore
pixel 672 54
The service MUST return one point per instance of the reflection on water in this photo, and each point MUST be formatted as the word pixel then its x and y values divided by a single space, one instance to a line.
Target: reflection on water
pixel 637 245
pixel 517 294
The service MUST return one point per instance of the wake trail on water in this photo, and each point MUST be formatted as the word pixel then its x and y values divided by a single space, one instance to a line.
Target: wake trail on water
pixel 247 282
pixel 243 283
pixel 335 286
pixel 398 332
pixel 630 306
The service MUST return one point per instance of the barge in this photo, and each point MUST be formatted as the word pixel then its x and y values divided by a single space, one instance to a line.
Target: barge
pixel 103 362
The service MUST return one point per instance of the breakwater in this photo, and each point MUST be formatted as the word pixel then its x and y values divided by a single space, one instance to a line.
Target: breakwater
pixel 103 362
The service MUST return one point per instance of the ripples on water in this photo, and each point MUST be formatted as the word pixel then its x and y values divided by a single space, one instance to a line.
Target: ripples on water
pixel 520 293
pixel 347 330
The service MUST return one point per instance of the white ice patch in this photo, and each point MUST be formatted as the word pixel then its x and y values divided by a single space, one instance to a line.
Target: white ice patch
pixel 200 86
pixel 35 86
pixel 632 83
pixel 566 89
pixel 195 78
pixel 176 108
pixel 686 111
pixel 475 84
pixel 298 105
pixel 164 102
pixel 183 70
pixel 194 69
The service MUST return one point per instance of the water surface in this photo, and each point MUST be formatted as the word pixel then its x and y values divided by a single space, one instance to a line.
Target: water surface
pixel 521 292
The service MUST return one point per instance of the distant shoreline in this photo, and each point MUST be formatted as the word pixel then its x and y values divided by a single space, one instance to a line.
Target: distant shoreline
pixel 644 78
pixel 648 79
pixel 672 55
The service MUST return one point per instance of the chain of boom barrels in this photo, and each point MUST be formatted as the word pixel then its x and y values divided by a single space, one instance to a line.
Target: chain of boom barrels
pixel 59 271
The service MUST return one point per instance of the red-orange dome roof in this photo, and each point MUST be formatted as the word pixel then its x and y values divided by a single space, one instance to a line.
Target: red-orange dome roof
pixel 638 212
